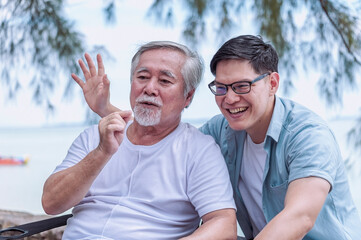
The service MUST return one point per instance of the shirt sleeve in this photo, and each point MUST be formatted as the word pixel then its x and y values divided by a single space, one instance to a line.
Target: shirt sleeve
pixel 313 151
pixel 82 145
pixel 209 186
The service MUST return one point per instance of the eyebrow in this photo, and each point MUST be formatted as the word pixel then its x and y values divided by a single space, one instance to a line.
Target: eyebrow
pixel 165 72
pixel 168 73
pixel 142 69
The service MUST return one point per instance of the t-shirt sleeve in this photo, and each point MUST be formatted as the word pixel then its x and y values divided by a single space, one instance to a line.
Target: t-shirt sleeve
pixel 82 145
pixel 209 186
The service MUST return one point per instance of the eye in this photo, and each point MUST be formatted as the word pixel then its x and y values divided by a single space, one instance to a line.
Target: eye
pixel 165 81
pixel 219 88
pixel 142 77
pixel 241 86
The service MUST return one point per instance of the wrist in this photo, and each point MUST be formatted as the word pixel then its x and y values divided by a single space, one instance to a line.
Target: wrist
pixel 100 153
pixel 109 108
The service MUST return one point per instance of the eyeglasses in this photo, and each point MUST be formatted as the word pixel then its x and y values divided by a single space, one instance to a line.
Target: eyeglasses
pixel 241 87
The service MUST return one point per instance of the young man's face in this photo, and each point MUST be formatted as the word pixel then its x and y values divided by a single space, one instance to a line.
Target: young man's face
pixel 251 111
pixel 157 90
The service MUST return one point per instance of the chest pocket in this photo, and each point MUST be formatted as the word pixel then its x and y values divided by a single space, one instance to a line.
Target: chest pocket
pixel 274 194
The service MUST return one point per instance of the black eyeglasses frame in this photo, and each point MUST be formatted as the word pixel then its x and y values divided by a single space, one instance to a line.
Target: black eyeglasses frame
pixel 213 83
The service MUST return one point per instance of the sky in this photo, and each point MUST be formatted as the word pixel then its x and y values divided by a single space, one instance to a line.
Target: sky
pixel 121 40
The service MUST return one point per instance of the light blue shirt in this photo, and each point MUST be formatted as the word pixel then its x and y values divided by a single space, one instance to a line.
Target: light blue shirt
pixel 299 144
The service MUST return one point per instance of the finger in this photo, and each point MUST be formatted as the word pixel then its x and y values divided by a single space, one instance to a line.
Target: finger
pixel 92 69
pixel 113 117
pixel 117 131
pixel 106 82
pixel 78 80
pixel 105 122
pixel 101 69
pixel 115 127
pixel 126 115
pixel 84 69
pixel 113 124
pixel 121 117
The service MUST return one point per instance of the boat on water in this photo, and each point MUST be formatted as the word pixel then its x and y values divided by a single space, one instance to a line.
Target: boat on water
pixel 11 160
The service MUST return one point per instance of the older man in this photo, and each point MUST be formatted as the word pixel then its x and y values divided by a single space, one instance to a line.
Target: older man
pixel 151 178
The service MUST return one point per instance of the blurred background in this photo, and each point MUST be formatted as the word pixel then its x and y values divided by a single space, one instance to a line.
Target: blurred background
pixel 42 110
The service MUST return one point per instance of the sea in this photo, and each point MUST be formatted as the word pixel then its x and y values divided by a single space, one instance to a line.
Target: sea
pixel 21 186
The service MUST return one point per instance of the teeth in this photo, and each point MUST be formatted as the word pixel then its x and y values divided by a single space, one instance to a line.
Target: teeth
pixel 237 110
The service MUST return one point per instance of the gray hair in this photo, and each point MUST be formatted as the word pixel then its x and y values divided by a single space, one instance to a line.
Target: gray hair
pixel 192 70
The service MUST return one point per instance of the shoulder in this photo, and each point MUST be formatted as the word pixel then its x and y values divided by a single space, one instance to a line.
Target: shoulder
pixel 87 139
pixel 303 132
pixel 192 133
pixel 296 118
pixel 297 129
pixel 81 146
pixel 215 127
pixel 194 141
pixel 91 132
pixel 216 121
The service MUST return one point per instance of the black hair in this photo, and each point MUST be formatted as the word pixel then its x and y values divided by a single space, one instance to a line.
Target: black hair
pixel 262 56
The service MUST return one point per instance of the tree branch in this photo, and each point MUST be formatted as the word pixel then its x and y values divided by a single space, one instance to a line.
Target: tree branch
pixel 323 2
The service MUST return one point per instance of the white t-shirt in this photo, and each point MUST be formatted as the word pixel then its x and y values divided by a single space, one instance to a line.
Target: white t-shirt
pixel 150 192
pixel 251 181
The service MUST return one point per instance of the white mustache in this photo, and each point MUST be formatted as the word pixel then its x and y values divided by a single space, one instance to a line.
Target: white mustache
pixel 148 99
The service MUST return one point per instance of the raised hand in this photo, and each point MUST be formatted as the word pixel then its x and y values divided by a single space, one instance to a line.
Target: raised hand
pixel 96 85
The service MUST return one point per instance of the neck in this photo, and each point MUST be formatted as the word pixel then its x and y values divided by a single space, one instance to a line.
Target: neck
pixel 148 135
pixel 259 130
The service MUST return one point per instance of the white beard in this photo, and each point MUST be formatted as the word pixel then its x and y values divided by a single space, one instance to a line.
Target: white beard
pixel 146 116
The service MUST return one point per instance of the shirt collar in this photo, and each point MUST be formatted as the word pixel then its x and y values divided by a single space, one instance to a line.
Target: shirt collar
pixel 275 127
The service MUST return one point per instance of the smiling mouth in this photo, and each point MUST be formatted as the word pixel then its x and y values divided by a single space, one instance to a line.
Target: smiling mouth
pixel 237 110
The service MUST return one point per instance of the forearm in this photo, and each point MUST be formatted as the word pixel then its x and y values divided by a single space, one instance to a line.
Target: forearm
pixel 287 226
pixel 304 200
pixel 222 226
pixel 64 189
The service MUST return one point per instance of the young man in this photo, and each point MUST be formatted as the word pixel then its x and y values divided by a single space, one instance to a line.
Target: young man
pixel 286 169
pixel 151 178
pixel 285 165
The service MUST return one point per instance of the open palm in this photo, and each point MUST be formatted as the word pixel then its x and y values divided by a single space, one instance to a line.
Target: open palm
pixel 96 85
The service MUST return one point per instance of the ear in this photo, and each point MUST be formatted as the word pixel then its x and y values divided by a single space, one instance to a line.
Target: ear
pixel 274 83
pixel 189 97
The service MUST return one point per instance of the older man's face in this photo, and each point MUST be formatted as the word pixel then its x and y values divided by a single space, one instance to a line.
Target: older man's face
pixel 157 96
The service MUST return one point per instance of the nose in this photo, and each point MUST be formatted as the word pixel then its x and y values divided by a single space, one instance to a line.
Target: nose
pixel 151 87
pixel 231 97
